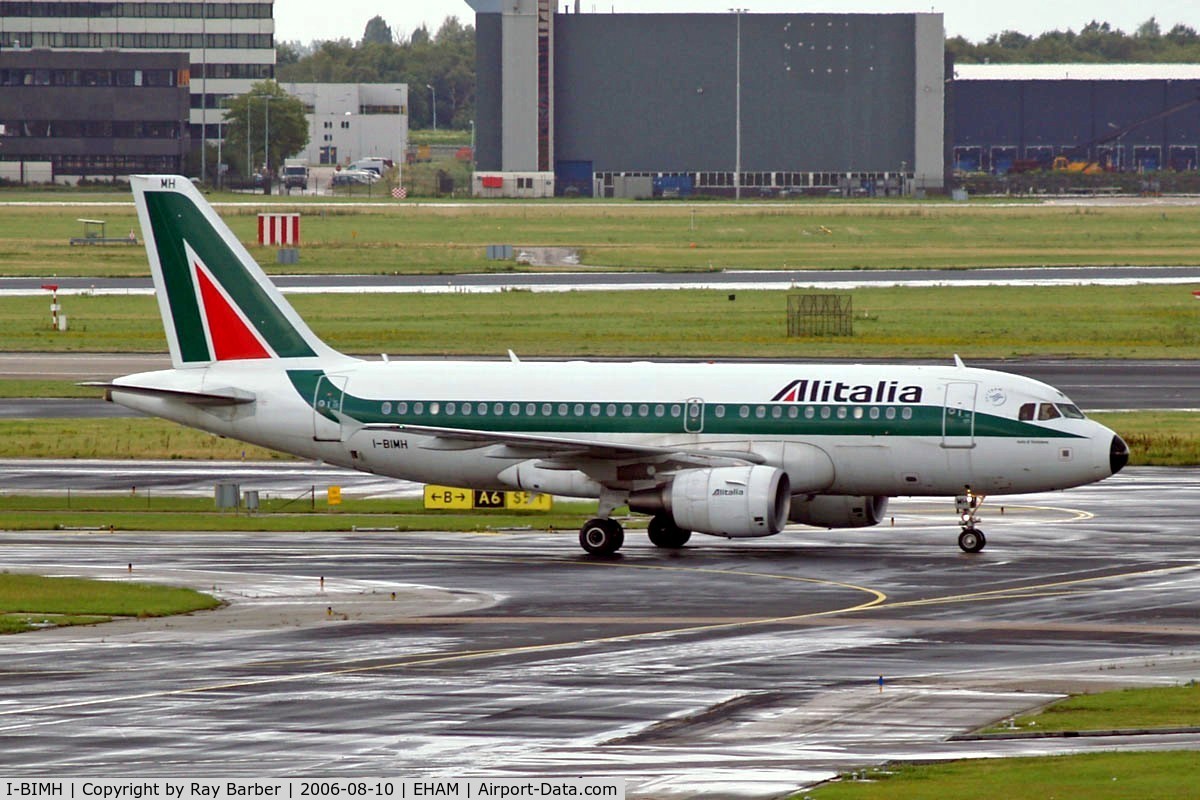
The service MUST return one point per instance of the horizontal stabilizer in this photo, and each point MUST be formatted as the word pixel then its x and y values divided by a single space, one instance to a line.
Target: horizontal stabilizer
pixel 215 397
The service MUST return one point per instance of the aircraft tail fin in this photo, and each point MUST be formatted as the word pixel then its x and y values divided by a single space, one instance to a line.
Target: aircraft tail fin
pixel 216 302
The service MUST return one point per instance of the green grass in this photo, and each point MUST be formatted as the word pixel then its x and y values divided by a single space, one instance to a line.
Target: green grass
pixel 1157 438
pixel 1095 776
pixel 896 323
pixel 1159 707
pixel 140 511
pixel 388 237
pixel 120 438
pixel 29 601
pixel 15 388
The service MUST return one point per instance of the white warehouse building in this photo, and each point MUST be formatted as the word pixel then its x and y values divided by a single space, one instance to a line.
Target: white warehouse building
pixel 349 121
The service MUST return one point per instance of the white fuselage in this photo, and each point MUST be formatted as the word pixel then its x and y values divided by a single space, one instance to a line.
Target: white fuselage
pixel 835 429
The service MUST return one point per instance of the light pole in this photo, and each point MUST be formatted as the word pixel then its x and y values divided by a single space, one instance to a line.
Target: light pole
pixel 737 161
pixel 429 86
pixel 246 177
pixel 267 134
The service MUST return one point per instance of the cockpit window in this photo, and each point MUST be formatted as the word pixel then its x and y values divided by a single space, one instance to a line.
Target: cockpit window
pixel 1048 411
pixel 1071 411
pixel 1027 411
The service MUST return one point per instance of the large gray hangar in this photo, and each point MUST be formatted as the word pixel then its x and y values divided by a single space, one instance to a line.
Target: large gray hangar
pixel 710 103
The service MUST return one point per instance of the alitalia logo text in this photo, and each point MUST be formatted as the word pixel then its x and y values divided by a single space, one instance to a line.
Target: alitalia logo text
pixel 822 391
pixel 728 492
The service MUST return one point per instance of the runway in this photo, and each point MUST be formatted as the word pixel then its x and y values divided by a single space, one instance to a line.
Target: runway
pixel 737 668
pixel 603 279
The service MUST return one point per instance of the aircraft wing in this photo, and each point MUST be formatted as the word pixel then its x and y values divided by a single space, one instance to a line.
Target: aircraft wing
pixel 569 452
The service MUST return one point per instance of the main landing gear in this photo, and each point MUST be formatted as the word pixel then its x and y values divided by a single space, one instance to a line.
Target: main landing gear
pixel 665 533
pixel 601 537
pixel 971 540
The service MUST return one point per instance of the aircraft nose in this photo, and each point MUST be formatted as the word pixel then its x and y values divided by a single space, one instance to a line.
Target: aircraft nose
pixel 1118 454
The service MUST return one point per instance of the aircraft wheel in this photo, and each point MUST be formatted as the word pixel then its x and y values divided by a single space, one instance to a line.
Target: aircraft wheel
pixel 601 537
pixel 972 540
pixel 665 533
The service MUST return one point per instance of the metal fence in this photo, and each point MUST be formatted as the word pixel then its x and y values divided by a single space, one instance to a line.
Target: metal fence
pixel 820 315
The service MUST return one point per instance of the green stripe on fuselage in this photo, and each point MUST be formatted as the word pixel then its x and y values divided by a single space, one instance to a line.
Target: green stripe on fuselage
pixel 174 219
pixel 923 420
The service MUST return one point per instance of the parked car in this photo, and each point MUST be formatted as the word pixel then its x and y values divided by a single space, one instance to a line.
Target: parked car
pixel 376 165
pixel 349 177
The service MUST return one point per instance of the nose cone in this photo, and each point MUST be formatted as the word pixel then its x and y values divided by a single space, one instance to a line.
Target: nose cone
pixel 1118 454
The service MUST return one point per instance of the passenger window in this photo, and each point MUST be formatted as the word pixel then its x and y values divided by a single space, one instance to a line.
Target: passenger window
pixel 719 411
pixel 401 408
pixel 776 412
pixel 744 412
pixel 562 409
pixel 450 408
pixel 760 412
pixel 515 409
pixel 1048 411
pixel 1026 412
pixel 418 408
pixel 659 410
pixel 906 413
pixel 627 410
pixel 579 409
pixel 809 412
pixel 793 412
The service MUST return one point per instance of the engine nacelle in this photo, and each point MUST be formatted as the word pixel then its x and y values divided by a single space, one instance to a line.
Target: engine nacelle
pixel 727 501
pixel 839 511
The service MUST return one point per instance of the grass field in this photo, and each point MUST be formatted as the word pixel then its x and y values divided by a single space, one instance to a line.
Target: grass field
pixel 395 238
pixel 33 601
pixel 1159 707
pixel 896 323
pixel 1099 776
pixel 1166 438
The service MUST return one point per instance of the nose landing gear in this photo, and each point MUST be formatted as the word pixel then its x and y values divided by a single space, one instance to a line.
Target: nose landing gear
pixel 971 540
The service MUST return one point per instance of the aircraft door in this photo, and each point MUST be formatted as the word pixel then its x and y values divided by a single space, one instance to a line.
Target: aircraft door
pixel 958 415
pixel 693 415
pixel 327 407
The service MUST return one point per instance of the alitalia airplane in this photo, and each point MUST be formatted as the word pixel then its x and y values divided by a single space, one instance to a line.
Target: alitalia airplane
pixel 731 450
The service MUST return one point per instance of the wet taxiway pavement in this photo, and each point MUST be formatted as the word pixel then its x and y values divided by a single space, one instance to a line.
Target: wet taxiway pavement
pixel 746 668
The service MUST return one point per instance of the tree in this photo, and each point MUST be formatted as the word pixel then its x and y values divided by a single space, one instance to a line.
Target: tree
pixel 377 32
pixel 272 114
pixel 1149 29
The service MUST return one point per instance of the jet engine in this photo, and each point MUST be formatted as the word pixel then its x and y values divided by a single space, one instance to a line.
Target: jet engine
pixel 725 501
pixel 839 510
